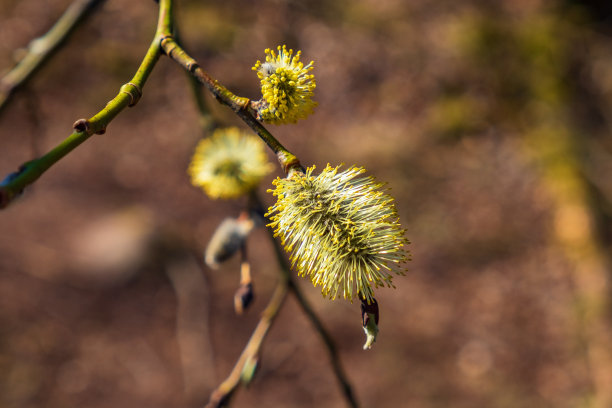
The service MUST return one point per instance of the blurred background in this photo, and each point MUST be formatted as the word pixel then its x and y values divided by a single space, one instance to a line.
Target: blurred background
pixel 490 121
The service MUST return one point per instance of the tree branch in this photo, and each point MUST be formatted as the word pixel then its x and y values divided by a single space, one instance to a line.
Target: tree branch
pixel 42 48
pixel 128 95
pixel 238 104
pixel 222 394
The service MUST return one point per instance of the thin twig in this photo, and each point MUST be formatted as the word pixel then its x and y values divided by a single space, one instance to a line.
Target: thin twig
pixel 238 104
pixel 14 184
pixel 221 395
pixel 42 48
pixel 334 358
pixel 128 95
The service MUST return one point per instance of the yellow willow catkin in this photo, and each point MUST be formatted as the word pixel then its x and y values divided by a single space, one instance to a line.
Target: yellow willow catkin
pixel 286 87
pixel 229 164
pixel 341 230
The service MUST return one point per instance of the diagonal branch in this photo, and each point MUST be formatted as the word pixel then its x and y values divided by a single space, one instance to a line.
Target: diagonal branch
pixel 128 95
pixel 238 104
pixel 42 48
pixel 14 184
pixel 330 345
pixel 221 395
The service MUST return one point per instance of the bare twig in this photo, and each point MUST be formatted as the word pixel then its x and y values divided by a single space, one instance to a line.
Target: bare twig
pixel 221 395
pixel 332 351
pixel 128 95
pixel 40 49
pixel 330 345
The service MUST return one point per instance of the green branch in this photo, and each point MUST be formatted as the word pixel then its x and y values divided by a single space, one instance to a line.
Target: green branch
pixel 128 95
pixel 42 48
pixel 206 119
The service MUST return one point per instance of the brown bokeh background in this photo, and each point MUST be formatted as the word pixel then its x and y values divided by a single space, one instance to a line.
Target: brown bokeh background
pixel 490 121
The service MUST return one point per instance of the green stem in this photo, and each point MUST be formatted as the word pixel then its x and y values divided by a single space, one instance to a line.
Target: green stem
pixel 128 95
pixel 165 19
pixel 42 48
pixel 238 104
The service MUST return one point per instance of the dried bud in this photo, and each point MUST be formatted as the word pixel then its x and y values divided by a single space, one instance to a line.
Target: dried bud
pixel 228 238
pixel 243 298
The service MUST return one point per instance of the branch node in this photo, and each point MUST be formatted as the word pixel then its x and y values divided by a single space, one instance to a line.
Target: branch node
pixel 169 46
pixel 255 107
pixel 192 66
pixel 133 91
pixel 289 162
pixel 81 125
pixel 242 103
pixel 163 39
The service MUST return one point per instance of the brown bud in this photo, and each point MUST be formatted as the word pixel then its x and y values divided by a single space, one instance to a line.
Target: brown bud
pixel 368 309
pixel 243 298
pixel 81 125
pixel 369 320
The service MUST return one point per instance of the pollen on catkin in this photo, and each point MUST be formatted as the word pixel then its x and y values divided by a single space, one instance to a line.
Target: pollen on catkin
pixel 342 231
pixel 286 87
pixel 228 164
